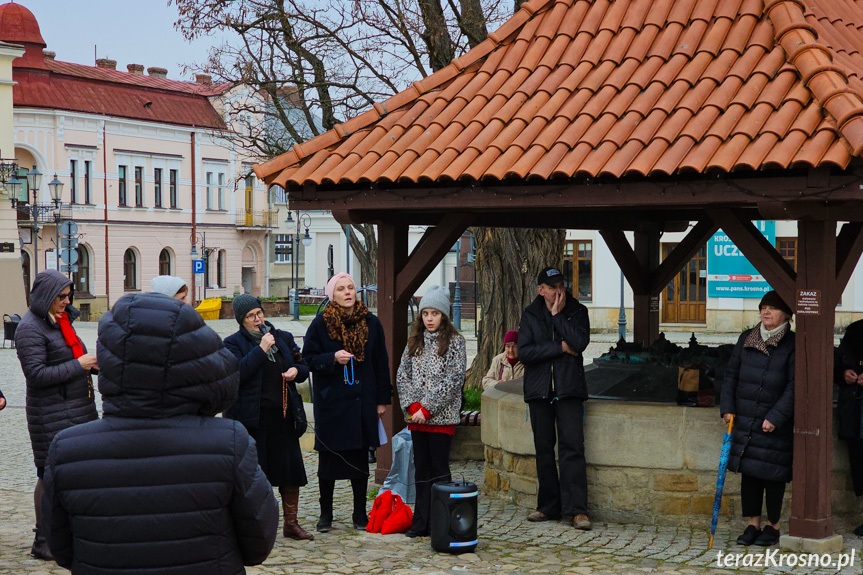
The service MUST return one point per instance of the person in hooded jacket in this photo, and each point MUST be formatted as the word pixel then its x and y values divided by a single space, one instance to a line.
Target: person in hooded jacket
pixel 57 369
pixel 848 376
pixel 347 353
pixel 553 332
pixel 159 485
pixel 270 364
pixel 759 392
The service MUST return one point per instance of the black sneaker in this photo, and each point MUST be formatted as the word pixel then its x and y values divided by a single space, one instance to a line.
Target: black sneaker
pixel 749 535
pixel 769 536
pixel 859 531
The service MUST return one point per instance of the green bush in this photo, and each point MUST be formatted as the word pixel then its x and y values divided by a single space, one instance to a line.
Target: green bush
pixel 472 399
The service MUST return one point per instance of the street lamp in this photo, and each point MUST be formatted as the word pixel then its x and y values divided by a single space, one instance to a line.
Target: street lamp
pixel 34 211
pixel 303 219
pixel 204 255
pixel 8 169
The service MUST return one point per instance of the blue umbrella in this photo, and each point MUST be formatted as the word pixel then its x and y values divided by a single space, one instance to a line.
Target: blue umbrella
pixel 720 480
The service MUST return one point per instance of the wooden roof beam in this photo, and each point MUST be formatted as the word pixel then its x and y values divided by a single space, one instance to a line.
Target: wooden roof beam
pixel 433 246
pixel 626 259
pixel 758 251
pixel 681 254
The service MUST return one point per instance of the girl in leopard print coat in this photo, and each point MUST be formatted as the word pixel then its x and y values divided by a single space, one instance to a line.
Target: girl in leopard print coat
pixel 430 380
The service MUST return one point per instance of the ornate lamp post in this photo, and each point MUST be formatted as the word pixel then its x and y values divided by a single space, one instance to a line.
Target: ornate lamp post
pixel 36 211
pixel 303 219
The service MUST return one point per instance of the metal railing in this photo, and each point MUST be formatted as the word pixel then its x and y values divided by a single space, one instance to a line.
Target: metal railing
pixel 257 219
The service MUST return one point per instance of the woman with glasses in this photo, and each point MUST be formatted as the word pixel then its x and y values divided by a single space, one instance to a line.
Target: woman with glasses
pixel 270 368
pixel 58 372
pixel 347 353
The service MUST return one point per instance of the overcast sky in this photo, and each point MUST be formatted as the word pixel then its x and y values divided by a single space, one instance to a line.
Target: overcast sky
pixel 129 31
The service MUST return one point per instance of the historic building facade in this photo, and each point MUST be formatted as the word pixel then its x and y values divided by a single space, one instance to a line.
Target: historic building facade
pixel 149 176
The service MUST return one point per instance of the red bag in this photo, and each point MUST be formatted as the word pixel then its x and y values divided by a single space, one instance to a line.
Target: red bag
pixel 381 509
pixel 399 520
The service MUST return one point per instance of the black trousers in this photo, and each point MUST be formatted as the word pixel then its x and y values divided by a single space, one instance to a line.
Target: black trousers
pixel 431 463
pixel 752 491
pixel 561 420
pixel 855 458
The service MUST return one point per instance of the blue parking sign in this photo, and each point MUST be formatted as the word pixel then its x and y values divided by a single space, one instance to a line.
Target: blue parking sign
pixel 198 266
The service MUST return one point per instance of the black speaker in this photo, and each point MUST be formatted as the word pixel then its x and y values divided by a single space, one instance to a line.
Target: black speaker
pixel 453 516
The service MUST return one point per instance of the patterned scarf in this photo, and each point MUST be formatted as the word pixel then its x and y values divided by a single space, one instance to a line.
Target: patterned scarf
pixel 754 339
pixel 69 335
pixel 350 329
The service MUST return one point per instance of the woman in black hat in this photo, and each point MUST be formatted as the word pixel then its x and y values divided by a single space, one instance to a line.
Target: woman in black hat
pixel 759 393
pixel 270 363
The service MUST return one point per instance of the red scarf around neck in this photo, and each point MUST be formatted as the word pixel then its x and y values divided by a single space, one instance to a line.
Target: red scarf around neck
pixel 69 335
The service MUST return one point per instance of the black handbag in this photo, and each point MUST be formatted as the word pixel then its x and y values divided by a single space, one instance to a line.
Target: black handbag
pixel 298 411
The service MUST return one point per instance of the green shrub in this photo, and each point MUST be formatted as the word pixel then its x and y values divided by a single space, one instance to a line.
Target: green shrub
pixel 472 399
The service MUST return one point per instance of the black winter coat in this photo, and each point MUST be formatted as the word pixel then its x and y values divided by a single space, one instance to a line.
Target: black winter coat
pixel 548 371
pixel 59 390
pixel 251 358
pixel 159 486
pixel 759 386
pixel 849 356
pixel 346 415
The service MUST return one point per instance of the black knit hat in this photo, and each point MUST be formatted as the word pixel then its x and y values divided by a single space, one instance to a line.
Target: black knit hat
pixel 772 299
pixel 243 304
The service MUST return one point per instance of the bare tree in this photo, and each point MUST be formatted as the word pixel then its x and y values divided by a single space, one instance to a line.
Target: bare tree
pixel 318 62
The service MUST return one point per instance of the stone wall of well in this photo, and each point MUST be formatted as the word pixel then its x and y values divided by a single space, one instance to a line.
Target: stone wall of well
pixel 648 463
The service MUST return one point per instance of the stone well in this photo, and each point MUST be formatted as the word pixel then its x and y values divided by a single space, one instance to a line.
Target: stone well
pixel 647 462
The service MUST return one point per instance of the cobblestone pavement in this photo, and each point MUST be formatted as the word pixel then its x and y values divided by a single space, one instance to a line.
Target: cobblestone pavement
pixel 507 542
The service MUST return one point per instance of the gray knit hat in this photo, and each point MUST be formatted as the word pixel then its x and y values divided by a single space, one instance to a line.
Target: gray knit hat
pixel 437 297
pixel 168 285
pixel 243 304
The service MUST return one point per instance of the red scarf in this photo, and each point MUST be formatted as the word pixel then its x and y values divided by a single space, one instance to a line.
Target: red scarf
pixel 69 335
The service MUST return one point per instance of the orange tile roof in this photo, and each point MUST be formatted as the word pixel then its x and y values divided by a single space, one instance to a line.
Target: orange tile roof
pixel 615 88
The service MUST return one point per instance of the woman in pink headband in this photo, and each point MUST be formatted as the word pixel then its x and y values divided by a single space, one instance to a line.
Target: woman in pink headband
pixel 346 351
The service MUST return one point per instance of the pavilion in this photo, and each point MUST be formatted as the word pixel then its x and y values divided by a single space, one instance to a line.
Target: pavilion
pixel 628 115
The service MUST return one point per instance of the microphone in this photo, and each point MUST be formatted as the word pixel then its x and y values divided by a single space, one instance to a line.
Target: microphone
pixel 264 329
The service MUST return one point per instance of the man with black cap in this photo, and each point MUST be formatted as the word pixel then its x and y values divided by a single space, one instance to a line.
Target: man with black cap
pixel 554 330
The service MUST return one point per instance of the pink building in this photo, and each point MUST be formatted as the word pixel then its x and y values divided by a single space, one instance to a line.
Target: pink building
pixel 147 174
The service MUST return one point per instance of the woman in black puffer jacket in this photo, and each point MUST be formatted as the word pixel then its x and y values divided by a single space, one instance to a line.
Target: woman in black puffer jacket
pixel 759 393
pixel 159 485
pixel 58 371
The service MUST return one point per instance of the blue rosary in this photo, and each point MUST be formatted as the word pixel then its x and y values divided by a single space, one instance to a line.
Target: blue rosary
pixel 349 380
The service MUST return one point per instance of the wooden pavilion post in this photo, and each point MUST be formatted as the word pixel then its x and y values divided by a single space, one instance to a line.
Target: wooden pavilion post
pixel 645 303
pixel 393 313
pixel 811 514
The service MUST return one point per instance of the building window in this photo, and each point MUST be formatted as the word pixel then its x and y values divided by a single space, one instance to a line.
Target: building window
pixel 787 248
pixel 73 181
pixel 139 186
pixel 173 186
pixel 209 190
pixel 130 270
pixel 81 278
pixel 164 263
pixel 87 176
pixel 157 177
pixel 578 269
pixel 280 196
pixel 284 248
pixel 221 192
pixel 220 269
pixel 121 184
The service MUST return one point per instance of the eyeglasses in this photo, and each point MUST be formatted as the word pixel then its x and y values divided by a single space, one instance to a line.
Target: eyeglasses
pixel 65 296
pixel 255 315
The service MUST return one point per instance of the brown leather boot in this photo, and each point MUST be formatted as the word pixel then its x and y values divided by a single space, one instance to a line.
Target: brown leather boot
pixel 290 506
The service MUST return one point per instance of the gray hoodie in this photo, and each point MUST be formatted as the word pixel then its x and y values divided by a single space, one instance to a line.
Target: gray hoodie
pixel 59 390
